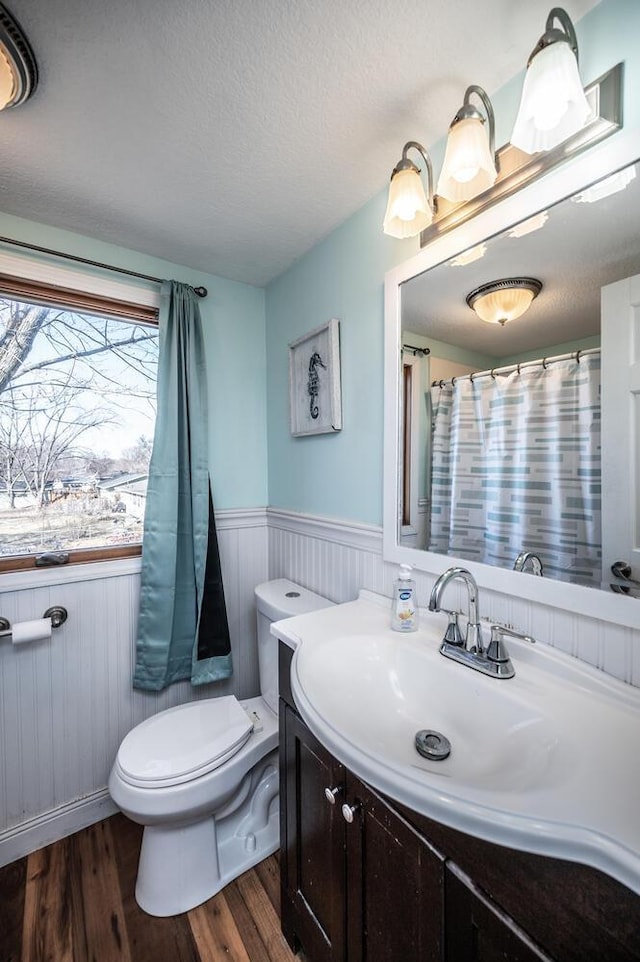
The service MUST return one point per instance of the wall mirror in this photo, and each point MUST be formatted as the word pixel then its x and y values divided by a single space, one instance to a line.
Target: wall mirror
pixel 502 457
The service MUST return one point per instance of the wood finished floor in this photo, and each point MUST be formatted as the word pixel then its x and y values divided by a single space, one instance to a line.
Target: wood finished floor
pixel 73 902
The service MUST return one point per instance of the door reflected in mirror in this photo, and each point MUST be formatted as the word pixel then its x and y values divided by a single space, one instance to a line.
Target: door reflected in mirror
pixel 503 457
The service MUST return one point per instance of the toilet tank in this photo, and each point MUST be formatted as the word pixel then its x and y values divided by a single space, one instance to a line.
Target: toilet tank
pixel 276 600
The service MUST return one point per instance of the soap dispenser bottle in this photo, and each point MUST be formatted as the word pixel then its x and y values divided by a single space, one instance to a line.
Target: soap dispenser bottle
pixel 404 610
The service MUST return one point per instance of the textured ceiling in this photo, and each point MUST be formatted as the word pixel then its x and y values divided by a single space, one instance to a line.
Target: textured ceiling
pixel 232 135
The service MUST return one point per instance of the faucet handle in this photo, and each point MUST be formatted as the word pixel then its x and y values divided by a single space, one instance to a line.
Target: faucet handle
pixel 497 650
pixel 453 635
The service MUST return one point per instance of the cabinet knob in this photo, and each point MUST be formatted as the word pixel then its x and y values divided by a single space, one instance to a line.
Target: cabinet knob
pixel 332 793
pixel 348 811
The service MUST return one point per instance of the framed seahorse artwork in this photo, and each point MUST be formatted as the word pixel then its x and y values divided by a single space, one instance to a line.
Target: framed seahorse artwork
pixel 315 404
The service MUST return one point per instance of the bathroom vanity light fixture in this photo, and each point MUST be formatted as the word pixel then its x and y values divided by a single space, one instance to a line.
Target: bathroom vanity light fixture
pixel 501 301
pixel 553 104
pixel 18 67
pixel 557 120
pixel 409 209
pixel 469 166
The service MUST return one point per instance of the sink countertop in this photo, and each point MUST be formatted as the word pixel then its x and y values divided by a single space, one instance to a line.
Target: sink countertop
pixel 547 762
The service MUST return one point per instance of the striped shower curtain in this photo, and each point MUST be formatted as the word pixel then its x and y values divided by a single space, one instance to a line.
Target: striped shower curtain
pixel 516 467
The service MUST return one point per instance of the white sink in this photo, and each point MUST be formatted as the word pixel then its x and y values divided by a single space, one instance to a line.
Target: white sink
pixel 403 686
pixel 546 761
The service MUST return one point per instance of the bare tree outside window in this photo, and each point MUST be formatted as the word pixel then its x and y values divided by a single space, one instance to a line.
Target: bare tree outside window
pixel 77 413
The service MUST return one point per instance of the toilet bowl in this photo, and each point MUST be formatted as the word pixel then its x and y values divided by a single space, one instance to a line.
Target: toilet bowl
pixel 202 778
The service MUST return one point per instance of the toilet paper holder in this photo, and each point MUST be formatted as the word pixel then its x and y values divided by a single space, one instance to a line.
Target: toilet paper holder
pixel 56 613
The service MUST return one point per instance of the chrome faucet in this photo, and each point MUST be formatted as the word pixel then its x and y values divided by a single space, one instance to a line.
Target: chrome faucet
pixel 474 631
pixel 494 660
pixel 528 558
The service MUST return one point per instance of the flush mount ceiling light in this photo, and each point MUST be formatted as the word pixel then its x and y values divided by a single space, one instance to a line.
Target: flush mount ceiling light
pixel 18 68
pixel 469 163
pixel 409 209
pixel 504 300
pixel 553 104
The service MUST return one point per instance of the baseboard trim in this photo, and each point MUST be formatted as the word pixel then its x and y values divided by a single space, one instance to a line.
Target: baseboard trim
pixel 351 534
pixel 52 826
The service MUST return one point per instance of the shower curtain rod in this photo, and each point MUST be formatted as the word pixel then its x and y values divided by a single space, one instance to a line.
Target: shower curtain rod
pixel 200 291
pixel 544 361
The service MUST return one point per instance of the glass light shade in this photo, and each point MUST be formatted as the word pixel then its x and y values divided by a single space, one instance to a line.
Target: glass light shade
pixel 501 306
pixel 469 167
pixel 7 81
pixel 408 210
pixel 553 104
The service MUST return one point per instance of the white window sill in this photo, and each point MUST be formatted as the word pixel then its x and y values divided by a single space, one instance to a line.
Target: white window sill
pixel 67 574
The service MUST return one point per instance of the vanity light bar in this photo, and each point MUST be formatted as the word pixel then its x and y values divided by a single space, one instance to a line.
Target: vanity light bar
pixel 517 169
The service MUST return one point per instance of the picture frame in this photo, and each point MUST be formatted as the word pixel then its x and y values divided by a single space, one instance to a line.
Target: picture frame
pixel 315 402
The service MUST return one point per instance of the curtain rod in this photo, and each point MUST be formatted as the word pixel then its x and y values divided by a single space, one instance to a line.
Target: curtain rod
pixel 200 291
pixel 417 351
pixel 543 361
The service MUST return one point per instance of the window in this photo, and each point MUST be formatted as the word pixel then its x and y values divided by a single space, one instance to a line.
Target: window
pixel 77 414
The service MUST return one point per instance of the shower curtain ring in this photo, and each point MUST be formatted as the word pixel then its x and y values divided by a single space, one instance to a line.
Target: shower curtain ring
pixel 578 353
pixel 544 363
pixel 518 367
pixel 493 374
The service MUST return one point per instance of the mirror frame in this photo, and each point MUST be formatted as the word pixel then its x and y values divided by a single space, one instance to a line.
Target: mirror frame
pixel 578 173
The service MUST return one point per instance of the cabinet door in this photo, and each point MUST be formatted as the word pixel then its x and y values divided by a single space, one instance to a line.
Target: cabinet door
pixel 313 906
pixel 395 882
pixel 477 931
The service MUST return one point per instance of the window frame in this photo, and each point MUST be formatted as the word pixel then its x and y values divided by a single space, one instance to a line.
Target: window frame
pixel 21 279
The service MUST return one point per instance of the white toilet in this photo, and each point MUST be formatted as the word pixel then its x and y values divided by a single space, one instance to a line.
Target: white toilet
pixel 203 778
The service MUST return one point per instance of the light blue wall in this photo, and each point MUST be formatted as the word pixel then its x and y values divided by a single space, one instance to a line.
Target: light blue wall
pixel 337 475
pixel 341 475
pixel 233 317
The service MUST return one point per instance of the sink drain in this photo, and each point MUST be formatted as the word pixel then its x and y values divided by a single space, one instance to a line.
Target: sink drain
pixel 432 745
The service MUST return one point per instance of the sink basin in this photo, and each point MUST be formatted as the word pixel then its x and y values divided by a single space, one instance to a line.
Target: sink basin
pixel 546 761
pixel 403 686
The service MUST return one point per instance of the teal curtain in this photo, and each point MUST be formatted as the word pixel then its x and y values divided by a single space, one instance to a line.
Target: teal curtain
pixel 183 630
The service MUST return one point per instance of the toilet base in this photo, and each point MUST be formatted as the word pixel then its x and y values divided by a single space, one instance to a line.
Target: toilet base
pixel 182 866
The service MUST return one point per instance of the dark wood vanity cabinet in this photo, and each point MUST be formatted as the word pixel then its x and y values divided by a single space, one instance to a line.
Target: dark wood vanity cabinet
pixel 368 890
pixel 312 863
pixel 394 886
pixel 395 883
pixel 478 930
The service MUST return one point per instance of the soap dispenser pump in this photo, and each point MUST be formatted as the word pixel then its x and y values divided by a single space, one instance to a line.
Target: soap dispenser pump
pixel 404 610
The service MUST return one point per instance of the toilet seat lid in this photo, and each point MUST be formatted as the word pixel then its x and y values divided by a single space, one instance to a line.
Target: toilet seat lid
pixel 182 743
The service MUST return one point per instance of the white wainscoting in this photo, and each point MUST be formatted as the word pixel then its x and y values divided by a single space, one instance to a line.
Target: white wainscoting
pixel 65 705
pixel 337 558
